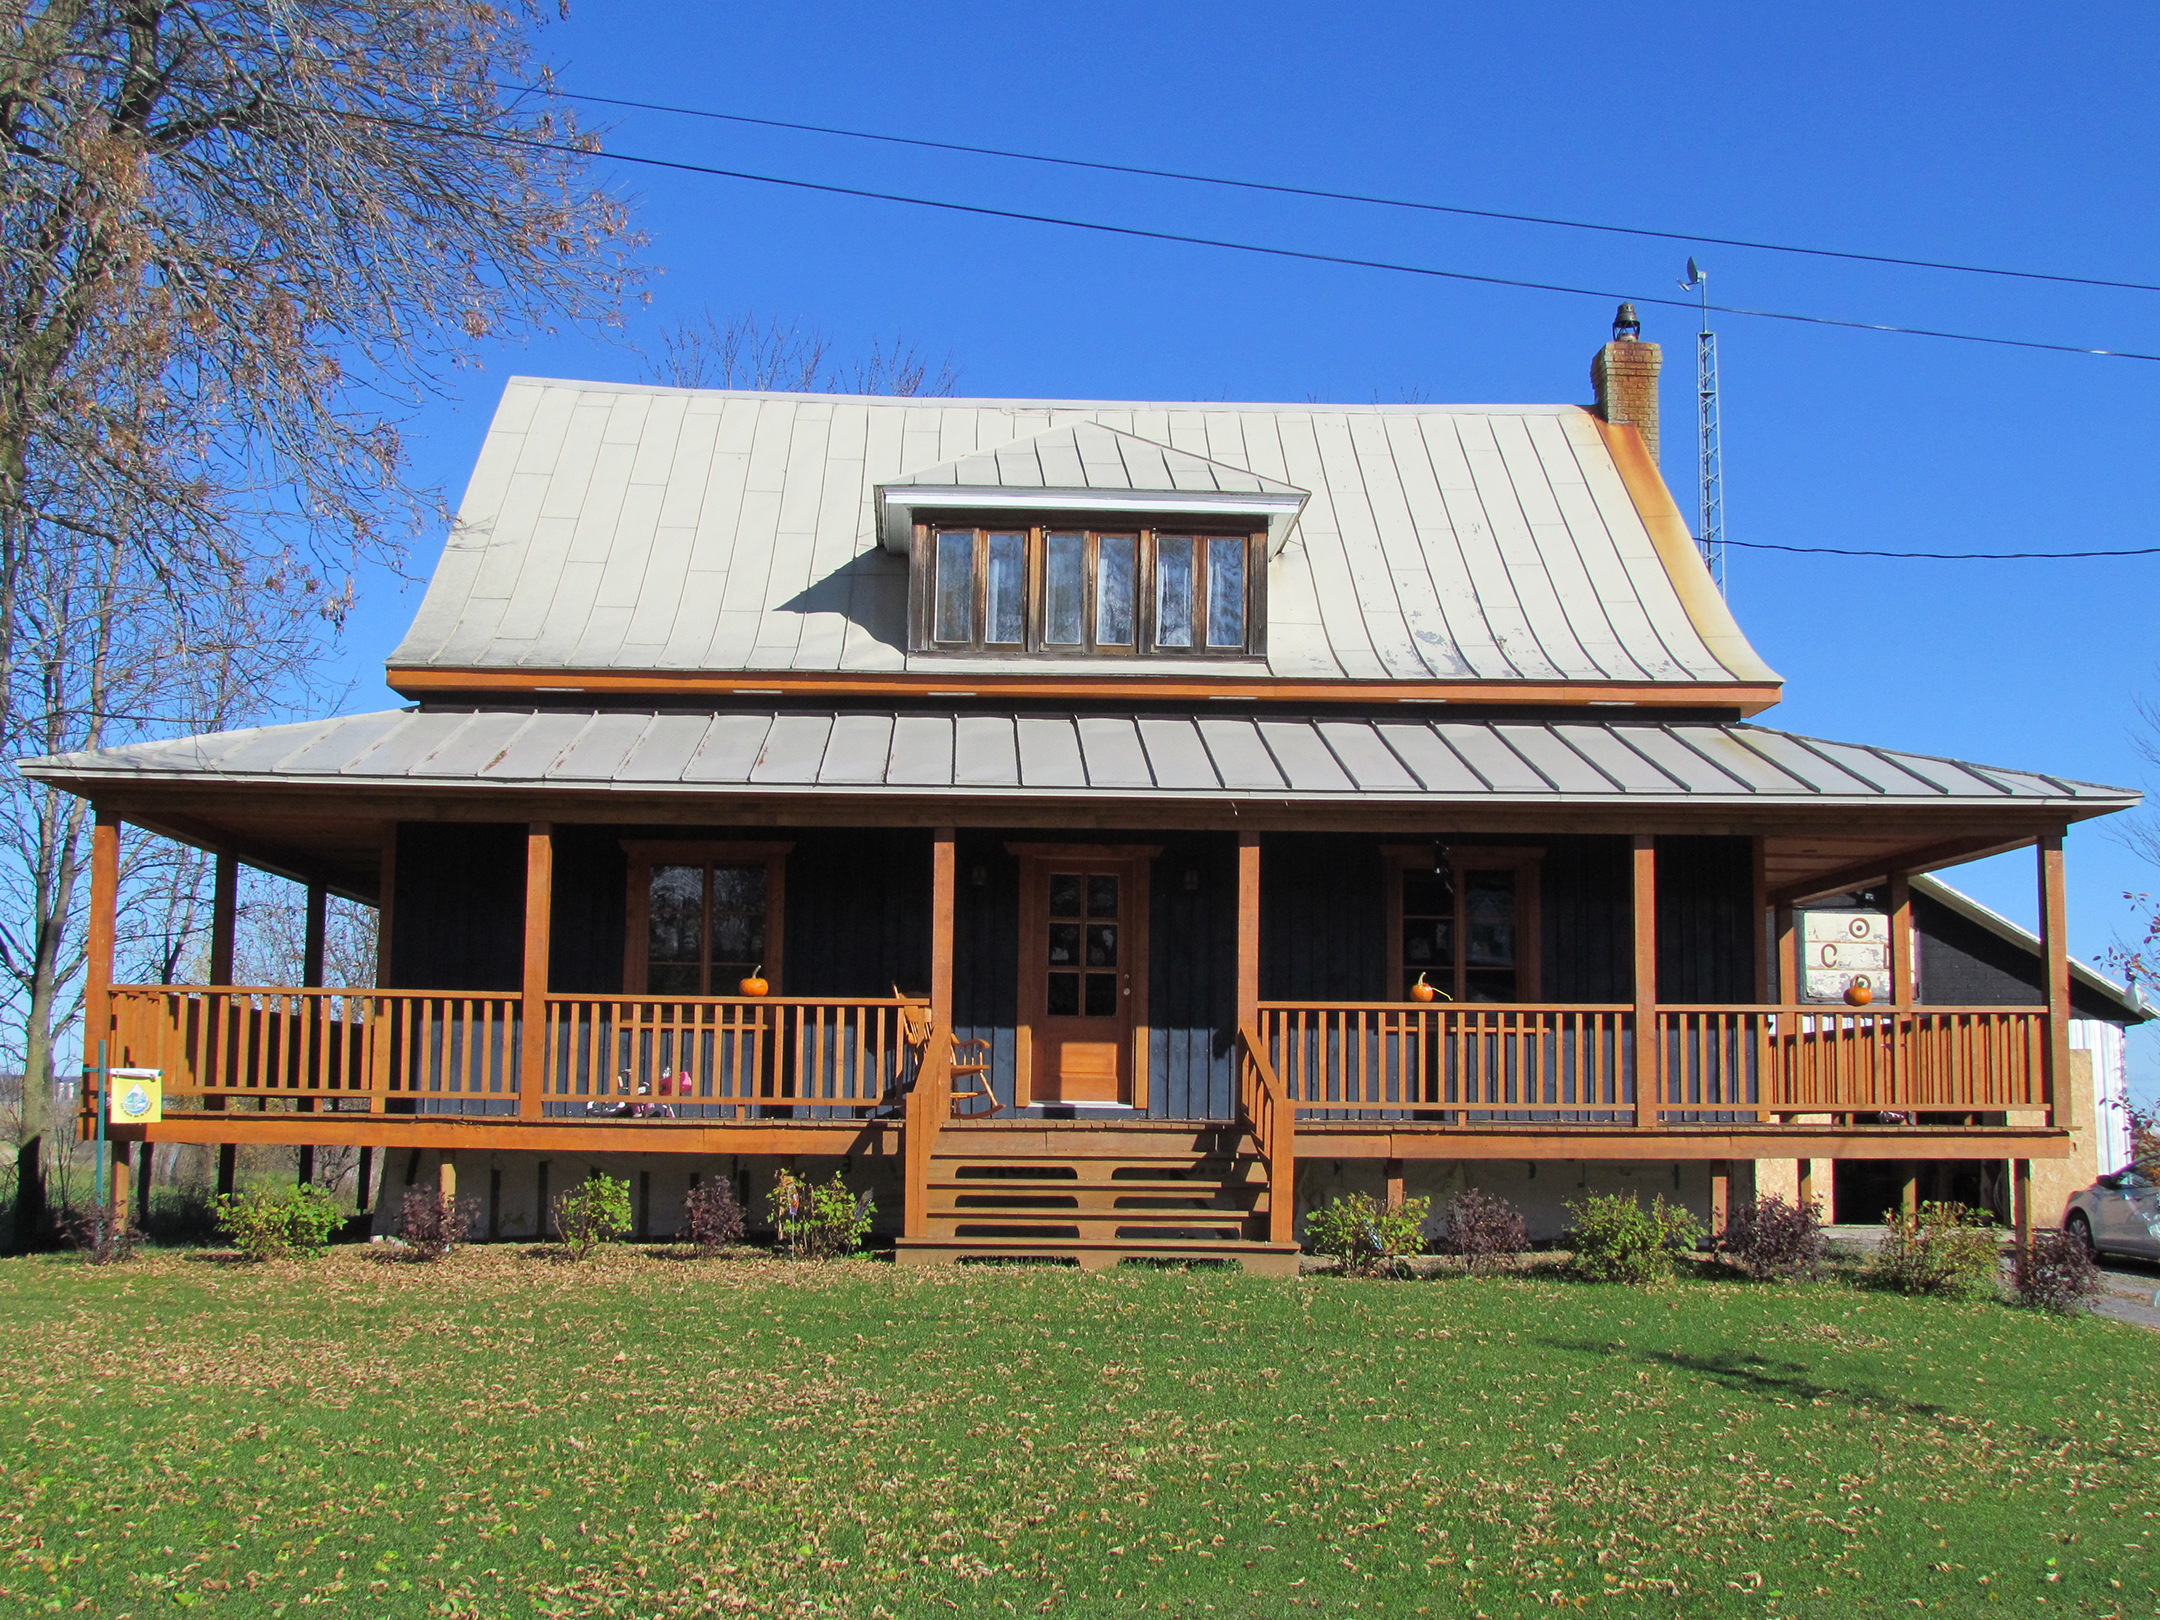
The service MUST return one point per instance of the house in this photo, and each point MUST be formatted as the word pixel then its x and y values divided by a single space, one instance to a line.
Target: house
pixel 1097 788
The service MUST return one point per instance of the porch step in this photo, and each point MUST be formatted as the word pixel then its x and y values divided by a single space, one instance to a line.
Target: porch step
pixel 1095 1193
pixel 1262 1259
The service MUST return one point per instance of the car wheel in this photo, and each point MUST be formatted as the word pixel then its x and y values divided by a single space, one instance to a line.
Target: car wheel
pixel 2081 1229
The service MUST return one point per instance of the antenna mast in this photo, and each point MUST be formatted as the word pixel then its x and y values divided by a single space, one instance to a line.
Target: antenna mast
pixel 1710 531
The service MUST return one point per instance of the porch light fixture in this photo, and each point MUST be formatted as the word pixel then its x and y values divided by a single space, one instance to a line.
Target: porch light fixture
pixel 978 876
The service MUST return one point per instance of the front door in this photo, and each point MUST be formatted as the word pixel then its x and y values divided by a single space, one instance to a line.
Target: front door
pixel 1082 952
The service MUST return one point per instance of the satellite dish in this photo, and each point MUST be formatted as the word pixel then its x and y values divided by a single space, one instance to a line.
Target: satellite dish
pixel 1694 272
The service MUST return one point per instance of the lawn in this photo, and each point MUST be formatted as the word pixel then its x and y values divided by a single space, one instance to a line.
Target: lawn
pixel 508 1435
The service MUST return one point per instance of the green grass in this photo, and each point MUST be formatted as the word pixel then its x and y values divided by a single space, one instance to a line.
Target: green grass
pixel 645 1436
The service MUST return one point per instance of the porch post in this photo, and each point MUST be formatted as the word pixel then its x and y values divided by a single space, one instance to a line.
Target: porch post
pixel 1720 1195
pixel 1649 1046
pixel 118 1210
pixel 2021 1193
pixel 1248 932
pixel 533 1014
pixel 1901 963
pixel 98 959
pixel 311 978
pixel 941 931
pixel 2055 953
pixel 224 903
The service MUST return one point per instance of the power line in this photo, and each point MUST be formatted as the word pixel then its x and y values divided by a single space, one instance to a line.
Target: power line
pixel 1948 556
pixel 1348 196
pixel 1305 255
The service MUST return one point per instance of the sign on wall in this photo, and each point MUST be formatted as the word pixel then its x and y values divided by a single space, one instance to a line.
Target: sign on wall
pixel 1839 949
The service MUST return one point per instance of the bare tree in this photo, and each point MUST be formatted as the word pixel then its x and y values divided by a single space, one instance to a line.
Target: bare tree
pixel 767 354
pixel 239 241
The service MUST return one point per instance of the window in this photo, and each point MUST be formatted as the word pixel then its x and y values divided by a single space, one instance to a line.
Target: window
pixel 703 917
pixel 1466 920
pixel 1075 590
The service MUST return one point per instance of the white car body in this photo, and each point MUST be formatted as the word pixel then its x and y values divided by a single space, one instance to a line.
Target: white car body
pixel 2120 1213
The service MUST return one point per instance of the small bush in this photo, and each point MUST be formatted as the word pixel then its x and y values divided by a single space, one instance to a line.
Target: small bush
pixel 266 1225
pixel 1946 1249
pixel 1769 1238
pixel 595 1212
pixel 819 1223
pixel 104 1242
pixel 712 1219
pixel 2054 1273
pixel 431 1225
pixel 1485 1231
pixel 1369 1238
pixel 1617 1240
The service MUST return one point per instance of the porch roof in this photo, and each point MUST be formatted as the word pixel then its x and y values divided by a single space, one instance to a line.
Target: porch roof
pixel 1191 756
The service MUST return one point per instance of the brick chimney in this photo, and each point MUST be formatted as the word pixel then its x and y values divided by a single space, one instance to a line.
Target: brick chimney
pixel 1625 373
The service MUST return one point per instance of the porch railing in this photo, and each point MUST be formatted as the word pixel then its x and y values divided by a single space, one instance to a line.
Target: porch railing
pixel 1577 1064
pixel 1268 1115
pixel 428 1051
pixel 715 1056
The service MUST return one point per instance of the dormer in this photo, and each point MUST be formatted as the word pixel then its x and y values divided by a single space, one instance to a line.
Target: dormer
pixel 1087 542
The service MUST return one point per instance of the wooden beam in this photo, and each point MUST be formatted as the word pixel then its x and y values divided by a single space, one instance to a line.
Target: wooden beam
pixel 2055 961
pixel 1649 1056
pixel 2021 1202
pixel 539 922
pixel 1926 858
pixel 943 875
pixel 1788 957
pixel 117 1210
pixel 1720 1195
pixel 224 907
pixel 1909 1190
pixel 1687 1144
pixel 98 954
pixel 1804 1183
pixel 317 927
pixel 1248 931
pixel 1902 989
pixel 1392 1170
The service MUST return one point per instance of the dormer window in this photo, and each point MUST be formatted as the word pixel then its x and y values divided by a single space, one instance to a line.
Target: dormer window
pixel 1067 589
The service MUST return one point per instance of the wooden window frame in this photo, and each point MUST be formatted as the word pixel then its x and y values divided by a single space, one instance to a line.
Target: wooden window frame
pixel 645 854
pixel 922 587
pixel 1036 860
pixel 1523 860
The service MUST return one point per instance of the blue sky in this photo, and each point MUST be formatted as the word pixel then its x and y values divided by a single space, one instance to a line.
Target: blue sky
pixel 2019 137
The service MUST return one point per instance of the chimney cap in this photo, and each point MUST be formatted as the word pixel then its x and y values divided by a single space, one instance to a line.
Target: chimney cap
pixel 1624 323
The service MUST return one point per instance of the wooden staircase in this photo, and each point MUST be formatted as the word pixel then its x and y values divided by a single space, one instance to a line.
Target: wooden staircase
pixel 1098 1192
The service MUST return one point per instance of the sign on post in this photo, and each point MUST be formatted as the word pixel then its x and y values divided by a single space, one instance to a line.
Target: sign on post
pixel 1839 949
pixel 137 1096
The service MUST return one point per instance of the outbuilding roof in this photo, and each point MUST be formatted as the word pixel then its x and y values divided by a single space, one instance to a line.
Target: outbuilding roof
pixel 1204 756
pixel 619 528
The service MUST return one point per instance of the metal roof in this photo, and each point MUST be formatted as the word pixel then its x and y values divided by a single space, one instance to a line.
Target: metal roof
pixel 1192 755
pixel 613 527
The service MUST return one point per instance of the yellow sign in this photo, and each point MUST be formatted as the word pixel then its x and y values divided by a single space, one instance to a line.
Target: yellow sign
pixel 138 1096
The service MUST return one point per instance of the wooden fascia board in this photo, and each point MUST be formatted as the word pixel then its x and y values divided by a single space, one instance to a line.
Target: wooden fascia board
pixel 1681 1143
pixel 1699 596
pixel 1745 698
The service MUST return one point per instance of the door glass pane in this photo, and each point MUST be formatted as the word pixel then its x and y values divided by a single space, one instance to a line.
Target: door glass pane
pixel 675 929
pixel 955 585
pixel 1226 593
pixel 1065 944
pixel 1102 896
pixel 1102 944
pixel 1102 995
pixel 1114 567
pixel 1005 605
pixel 1065 894
pixel 1064 581
pixel 1173 590
pixel 1063 1000
pixel 738 925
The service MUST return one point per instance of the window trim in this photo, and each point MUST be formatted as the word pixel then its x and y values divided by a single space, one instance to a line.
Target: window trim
pixel 1522 859
pixel 645 854
pixel 923 582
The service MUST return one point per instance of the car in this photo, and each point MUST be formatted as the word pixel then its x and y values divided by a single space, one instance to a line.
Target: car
pixel 2119 1213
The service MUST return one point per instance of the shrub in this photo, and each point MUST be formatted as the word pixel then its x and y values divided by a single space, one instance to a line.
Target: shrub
pixel 593 1213
pixel 265 1225
pixel 1769 1238
pixel 1945 1249
pixel 104 1242
pixel 712 1219
pixel 431 1225
pixel 819 1223
pixel 1368 1237
pixel 1484 1230
pixel 2054 1273
pixel 1617 1240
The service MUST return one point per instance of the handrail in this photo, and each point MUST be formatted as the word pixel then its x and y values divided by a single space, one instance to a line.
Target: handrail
pixel 1266 1110
pixel 929 1103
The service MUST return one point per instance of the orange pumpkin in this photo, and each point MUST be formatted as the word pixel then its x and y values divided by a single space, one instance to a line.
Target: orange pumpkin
pixel 1421 991
pixel 1857 994
pixel 756 984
